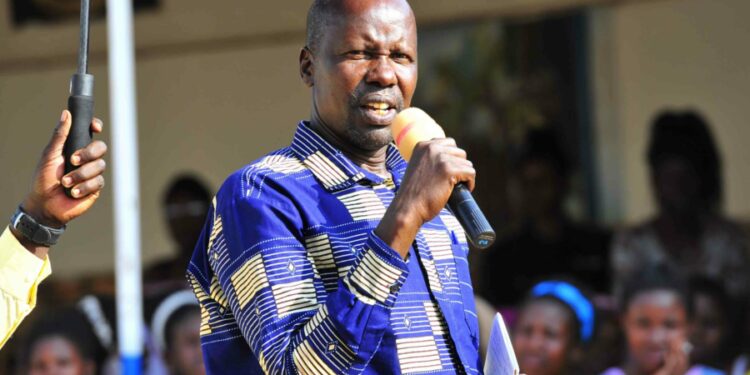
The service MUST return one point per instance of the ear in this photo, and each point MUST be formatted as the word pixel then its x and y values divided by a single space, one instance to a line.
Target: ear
pixel 306 68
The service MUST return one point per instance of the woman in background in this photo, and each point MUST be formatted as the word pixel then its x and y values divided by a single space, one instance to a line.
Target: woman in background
pixel 554 324
pixel 710 326
pixel 175 329
pixel 689 231
pixel 62 342
pixel 655 312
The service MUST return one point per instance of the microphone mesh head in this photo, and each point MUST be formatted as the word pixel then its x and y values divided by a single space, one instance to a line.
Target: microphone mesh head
pixel 412 126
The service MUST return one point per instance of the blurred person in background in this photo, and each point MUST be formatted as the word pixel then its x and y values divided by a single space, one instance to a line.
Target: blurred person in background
pixel 655 313
pixel 62 343
pixel 555 324
pixel 548 241
pixel 186 202
pixel 175 330
pixel 710 328
pixel 24 263
pixel 689 230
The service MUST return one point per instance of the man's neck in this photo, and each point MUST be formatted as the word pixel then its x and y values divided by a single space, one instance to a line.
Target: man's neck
pixel 370 160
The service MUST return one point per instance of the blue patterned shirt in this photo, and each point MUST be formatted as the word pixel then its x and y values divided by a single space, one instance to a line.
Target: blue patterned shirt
pixel 291 278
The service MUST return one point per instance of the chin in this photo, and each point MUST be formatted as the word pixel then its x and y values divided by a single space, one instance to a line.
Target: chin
pixel 371 140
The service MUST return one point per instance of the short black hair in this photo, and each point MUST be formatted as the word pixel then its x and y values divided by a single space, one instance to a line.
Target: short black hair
pixel 70 324
pixel 543 145
pixel 687 135
pixel 187 183
pixel 656 277
pixel 714 289
pixel 317 19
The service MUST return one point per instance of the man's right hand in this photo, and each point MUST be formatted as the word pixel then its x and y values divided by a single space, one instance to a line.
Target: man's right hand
pixel 435 167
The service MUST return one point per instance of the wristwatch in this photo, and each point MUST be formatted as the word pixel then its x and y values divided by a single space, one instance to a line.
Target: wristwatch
pixel 33 231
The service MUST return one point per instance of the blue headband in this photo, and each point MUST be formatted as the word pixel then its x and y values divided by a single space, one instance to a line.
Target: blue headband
pixel 572 297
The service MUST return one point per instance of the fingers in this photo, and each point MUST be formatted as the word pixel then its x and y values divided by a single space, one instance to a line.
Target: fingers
pixel 88 187
pixel 95 150
pixel 451 159
pixel 458 167
pixel 464 172
pixel 97 125
pixel 675 361
pixel 92 170
pixel 62 129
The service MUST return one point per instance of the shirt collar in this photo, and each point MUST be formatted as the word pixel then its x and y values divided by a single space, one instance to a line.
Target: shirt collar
pixel 332 168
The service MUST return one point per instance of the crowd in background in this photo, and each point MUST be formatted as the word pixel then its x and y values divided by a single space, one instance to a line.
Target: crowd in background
pixel 666 296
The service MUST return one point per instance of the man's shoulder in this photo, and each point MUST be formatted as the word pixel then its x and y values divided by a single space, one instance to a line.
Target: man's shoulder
pixel 279 170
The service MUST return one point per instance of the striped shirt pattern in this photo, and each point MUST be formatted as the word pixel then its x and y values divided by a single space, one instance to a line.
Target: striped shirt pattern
pixel 291 278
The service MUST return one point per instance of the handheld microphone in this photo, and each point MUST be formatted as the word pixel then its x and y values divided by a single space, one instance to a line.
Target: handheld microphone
pixel 412 126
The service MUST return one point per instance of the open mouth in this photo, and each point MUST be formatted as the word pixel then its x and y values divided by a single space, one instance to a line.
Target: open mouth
pixel 379 113
pixel 379 108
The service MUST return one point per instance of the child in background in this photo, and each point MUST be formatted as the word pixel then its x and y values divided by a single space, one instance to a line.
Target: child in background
pixel 62 343
pixel 710 326
pixel 176 333
pixel 553 325
pixel 655 310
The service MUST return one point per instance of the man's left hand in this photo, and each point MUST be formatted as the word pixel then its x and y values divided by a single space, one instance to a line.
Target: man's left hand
pixel 47 202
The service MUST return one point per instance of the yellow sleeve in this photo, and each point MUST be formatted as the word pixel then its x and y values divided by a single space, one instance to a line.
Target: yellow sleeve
pixel 20 275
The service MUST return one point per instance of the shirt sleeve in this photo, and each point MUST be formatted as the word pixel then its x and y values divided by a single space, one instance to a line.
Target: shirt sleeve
pixel 292 324
pixel 20 274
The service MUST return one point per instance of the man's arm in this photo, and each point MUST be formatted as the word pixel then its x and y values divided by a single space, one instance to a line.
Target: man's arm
pixel 289 321
pixel 23 263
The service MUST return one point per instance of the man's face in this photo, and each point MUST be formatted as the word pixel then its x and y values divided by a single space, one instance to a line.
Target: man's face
pixel 364 71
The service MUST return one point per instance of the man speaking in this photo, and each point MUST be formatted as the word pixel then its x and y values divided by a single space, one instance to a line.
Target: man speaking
pixel 331 256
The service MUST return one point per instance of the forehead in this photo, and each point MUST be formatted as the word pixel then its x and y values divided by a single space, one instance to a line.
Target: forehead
pixel 657 300
pixel 546 312
pixel 372 21
pixel 53 346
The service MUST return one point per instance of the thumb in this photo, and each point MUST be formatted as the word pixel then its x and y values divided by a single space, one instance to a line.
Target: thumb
pixel 55 146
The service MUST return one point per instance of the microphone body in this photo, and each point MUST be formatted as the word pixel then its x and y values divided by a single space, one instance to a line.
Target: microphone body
pixel 412 126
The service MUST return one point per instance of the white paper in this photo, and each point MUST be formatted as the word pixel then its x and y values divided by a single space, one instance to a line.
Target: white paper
pixel 501 359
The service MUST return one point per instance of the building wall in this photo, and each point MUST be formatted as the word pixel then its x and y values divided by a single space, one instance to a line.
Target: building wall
pixel 218 86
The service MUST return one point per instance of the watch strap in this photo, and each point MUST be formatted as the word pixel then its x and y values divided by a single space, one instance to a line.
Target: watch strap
pixel 37 233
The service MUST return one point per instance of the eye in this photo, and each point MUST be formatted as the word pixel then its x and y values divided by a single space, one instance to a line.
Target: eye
pixel 357 55
pixel 551 333
pixel 643 323
pixel 401 57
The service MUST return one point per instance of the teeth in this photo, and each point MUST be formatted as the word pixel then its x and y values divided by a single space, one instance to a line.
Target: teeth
pixel 378 106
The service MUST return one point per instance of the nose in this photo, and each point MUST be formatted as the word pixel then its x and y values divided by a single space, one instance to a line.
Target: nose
pixel 536 342
pixel 659 336
pixel 382 72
